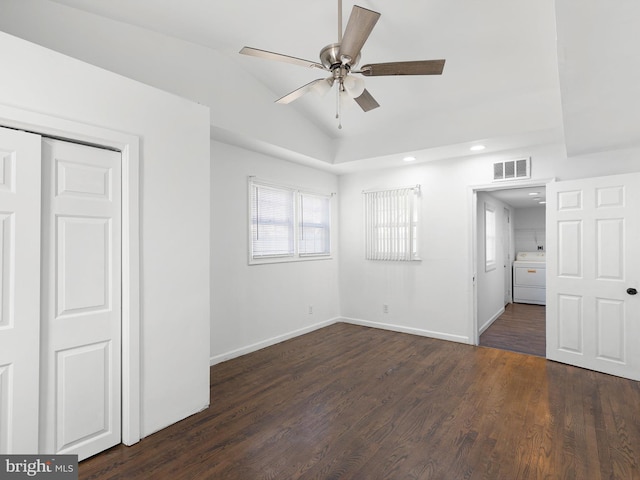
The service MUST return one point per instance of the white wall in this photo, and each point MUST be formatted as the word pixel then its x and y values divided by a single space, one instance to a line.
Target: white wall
pixel 254 306
pixel 425 297
pixel 434 297
pixel 490 283
pixel 612 162
pixel 530 217
pixel 530 229
pixel 174 210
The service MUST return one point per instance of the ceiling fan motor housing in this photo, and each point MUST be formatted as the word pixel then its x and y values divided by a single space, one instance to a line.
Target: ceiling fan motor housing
pixel 330 57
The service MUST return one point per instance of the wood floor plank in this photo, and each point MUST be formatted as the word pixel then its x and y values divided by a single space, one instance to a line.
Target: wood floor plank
pixel 350 402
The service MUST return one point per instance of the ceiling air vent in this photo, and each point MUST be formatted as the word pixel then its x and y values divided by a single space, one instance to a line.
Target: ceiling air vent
pixel 512 169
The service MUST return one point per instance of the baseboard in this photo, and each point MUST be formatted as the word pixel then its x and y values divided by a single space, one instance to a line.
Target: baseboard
pixel 268 342
pixel 355 321
pixel 403 329
pixel 488 323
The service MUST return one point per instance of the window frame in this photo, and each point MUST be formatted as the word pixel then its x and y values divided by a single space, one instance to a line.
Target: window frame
pixel 289 226
pixel 298 193
pixel 490 238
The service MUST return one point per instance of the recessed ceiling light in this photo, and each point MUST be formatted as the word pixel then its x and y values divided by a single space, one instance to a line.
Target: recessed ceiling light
pixel 409 159
pixel 542 202
pixel 534 193
pixel 477 148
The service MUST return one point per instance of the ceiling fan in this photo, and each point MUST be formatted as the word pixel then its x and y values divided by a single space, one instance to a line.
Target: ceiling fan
pixel 340 60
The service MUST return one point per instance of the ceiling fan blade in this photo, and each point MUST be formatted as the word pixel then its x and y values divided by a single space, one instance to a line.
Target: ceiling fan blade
pixel 299 92
pixel 255 52
pixel 359 27
pixel 366 101
pixel 418 67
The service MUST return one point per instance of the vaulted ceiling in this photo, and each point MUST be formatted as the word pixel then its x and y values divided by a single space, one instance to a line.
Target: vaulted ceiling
pixel 517 73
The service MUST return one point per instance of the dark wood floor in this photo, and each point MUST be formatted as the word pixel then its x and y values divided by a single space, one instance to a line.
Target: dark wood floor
pixel 350 402
pixel 521 328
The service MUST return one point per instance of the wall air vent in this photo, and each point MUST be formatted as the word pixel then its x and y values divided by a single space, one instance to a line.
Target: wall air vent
pixel 512 169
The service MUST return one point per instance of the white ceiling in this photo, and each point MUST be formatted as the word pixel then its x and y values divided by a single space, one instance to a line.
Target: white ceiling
pixel 503 85
pixel 526 197
pixel 599 66
pixel 500 78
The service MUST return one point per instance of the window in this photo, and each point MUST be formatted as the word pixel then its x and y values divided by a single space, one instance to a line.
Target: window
pixel 489 237
pixel 287 224
pixel 272 214
pixel 315 217
pixel 391 222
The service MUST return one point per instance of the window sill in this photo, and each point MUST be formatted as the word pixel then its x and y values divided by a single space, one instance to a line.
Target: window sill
pixel 411 260
pixel 286 259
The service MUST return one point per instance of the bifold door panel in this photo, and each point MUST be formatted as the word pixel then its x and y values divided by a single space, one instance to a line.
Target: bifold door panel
pixel 19 290
pixel 81 299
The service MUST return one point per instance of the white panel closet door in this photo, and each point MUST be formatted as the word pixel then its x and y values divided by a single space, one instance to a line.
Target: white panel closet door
pixel 593 274
pixel 81 299
pixel 19 291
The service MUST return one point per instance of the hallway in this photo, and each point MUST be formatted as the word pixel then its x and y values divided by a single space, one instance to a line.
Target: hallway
pixel 521 328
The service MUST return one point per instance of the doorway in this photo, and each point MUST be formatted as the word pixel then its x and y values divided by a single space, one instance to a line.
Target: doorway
pixel 505 317
pixel 521 328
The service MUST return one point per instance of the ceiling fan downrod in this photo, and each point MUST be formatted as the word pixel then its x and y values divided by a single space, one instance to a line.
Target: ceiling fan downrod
pixel 339 21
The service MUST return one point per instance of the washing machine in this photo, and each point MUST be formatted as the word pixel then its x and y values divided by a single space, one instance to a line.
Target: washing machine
pixel 530 278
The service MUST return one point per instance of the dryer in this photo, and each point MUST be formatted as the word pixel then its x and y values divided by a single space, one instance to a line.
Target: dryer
pixel 530 278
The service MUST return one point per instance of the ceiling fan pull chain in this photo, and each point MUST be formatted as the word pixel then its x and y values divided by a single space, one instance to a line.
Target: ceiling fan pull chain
pixel 338 116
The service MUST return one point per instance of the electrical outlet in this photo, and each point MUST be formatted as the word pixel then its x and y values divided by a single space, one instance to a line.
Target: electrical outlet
pixel 310 309
pixel 385 308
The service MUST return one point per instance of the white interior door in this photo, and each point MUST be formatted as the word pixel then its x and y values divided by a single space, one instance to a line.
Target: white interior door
pixel 593 269
pixel 19 290
pixel 81 299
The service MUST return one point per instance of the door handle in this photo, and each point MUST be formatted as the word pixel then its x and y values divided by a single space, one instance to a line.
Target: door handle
pixel 632 291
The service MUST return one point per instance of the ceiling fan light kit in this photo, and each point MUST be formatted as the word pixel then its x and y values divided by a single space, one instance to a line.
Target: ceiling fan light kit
pixel 322 86
pixel 339 59
pixel 354 86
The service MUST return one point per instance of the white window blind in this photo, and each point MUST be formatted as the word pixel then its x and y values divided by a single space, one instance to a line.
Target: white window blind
pixel 391 224
pixel 315 219
pixel 287 224
pixel 272 221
